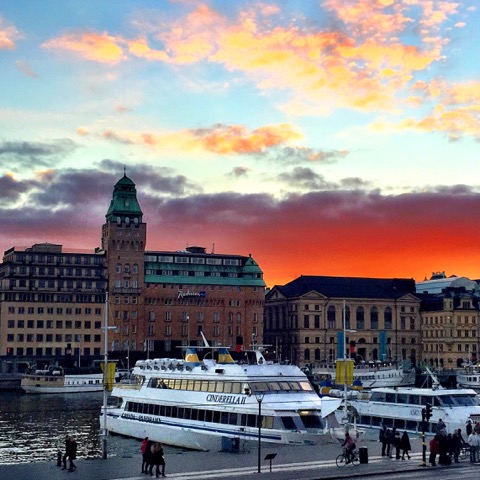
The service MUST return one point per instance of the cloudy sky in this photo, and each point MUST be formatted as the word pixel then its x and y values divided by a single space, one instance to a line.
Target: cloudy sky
pixel 324 137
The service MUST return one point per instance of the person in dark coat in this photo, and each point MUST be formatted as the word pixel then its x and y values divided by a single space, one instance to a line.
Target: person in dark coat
pixel 157 460
pixel 469 428
pixel 67 452
pixel 383 439
pixel 405 446
pixel 396 444
pixel 148 457
pixel 72 454
pixel 388 441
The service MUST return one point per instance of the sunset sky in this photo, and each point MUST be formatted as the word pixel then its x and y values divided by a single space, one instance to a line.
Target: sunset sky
pixel 334 137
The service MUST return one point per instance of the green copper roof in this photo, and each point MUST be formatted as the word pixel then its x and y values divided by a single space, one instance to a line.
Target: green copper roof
pixel 124 202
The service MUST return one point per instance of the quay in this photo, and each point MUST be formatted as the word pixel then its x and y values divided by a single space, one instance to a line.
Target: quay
pixel 313 462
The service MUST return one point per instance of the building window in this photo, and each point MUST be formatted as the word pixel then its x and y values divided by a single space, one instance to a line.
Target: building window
pixel 374 318
pixel 387 318
pixel 306 321
pixel 360 318
pixel 331 314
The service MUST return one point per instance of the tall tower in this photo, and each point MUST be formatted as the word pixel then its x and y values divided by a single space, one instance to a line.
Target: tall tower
pixel 123 240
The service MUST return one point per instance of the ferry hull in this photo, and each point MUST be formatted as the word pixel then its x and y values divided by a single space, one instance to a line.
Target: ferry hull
pixel 202 437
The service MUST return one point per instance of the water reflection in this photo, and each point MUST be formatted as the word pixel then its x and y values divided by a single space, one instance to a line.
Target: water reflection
pixel 33 427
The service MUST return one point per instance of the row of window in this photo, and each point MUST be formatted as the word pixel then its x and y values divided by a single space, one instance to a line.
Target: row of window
pixel 51 310
pixel 70 284
pixel 216 330
pixel 441 334
pixel 50 351
pixel 57 324
pixel 400 424
pixel 52 271
pixel 30 297
pixel 445 320
pixel 50 338
pixel 58 259
pixel 188 273
pixel 214 386
pixel 232 262
pixel 438 347
pixel 454 400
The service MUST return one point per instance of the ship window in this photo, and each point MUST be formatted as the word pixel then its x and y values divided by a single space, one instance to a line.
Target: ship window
pixel 411 425
pixel 402 398
pixel 227 387
pixel 156 410
pixel 399 423
pixel 284 386
pixel 390 397
pixel 236 387
pixel 305 386
pixel 378 397
pixel 415 399
pixel 274 386
pixel 168 411
pixel 288 423
pixel 294 386
pixel 174 412
pixel 191 385
pixel 211 386
pixel 216 417
pixel 194 414
pixel 224 417
pixel 208 415
pixel 219 387
pixel 197 386
pixel 311 420
pixel 376 421
pixel 204 387
pixel 259 387
pixel 181 412
pixel 267 422
pixel 201 415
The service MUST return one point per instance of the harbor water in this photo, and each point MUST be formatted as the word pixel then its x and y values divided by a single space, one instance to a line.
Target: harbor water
pixel 33 427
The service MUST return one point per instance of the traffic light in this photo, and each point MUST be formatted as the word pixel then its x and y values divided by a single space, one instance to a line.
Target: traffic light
pixel 428 411
pixel 424 412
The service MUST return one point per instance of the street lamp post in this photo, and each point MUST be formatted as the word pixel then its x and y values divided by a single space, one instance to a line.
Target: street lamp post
pixel 345 412
pixel 259 397
pixel 106 328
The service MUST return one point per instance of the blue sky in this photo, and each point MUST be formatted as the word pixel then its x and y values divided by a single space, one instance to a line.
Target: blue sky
pixel 340 136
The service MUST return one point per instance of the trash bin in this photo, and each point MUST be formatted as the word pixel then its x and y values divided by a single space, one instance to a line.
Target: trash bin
pixel 363 454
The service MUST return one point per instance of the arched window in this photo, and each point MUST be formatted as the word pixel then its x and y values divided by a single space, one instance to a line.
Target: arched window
pixel 135 268
pixel 347 317
pixel 317 354
pixel 374 318
pixel 360 318
pixel 118 268
pixel 306 355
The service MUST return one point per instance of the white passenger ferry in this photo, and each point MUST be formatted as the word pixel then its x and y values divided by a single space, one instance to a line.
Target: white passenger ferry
pixel 57 380
pixel 402 408
pixel 208 404
pixel 369 374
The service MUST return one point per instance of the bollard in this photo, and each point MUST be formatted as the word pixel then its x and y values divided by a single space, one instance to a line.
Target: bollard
pixel 59 459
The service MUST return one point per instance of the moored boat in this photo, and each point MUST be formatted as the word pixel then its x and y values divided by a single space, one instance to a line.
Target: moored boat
pixel 369 375
pixel 402 408
pixel 469 377
pixel 59 380
pixel 206 404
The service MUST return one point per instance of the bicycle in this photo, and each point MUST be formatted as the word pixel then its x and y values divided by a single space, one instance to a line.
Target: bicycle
pixel 342 459
pixel 464 451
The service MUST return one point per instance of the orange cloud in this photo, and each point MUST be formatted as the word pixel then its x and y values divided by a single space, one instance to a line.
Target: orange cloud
pixel 221 139
pixel 96 47
pixel 8 35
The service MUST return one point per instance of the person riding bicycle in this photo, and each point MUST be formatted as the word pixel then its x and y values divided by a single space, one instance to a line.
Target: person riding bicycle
pixel 349 444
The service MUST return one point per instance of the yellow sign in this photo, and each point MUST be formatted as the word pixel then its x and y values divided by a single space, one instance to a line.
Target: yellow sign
pixel 110 378
pixel 340 372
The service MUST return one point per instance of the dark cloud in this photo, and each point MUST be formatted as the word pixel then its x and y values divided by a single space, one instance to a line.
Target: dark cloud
pixel 305 178
pixel 18 156
pixel 11 189
pixel 301 155
pixel 239 172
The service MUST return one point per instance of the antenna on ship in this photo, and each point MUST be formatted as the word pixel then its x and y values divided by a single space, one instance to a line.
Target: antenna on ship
pixel 213 248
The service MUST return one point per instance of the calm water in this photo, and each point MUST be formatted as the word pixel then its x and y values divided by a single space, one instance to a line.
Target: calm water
pixel 33 427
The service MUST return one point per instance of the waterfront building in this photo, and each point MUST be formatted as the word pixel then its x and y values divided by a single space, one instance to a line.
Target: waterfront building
pixel 304 319
pixel 450 320
pixel 52 300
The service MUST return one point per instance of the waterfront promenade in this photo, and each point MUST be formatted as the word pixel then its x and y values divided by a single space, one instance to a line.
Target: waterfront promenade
pixel 303 463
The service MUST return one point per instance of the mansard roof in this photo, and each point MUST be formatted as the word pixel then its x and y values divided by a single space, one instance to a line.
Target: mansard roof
pixel 348 287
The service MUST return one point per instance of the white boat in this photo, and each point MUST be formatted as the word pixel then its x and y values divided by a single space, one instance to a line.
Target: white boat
pixel 57 380
pixel 469 377
pixel 369 375
pixel 402 408
pixel 205 405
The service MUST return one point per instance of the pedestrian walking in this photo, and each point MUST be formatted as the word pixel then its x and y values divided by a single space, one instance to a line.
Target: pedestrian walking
pixel 469 428
pixel 389 440
pixel 73 454
pixel 149 457
pixel 434 450
pixel 143 449
pixel 473 442
pixel 405 445
pixel 457 442
pixel 441 426
pixel 396 444
pixel 66 453
pixel 383 439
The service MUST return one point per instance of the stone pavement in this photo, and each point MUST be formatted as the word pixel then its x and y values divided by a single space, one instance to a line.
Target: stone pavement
pixel 291 463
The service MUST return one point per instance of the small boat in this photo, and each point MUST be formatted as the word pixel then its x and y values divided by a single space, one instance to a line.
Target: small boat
pixel 59 380
pixel 217 402
pixel 368 374
pixel 469 377
pixel 402 408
